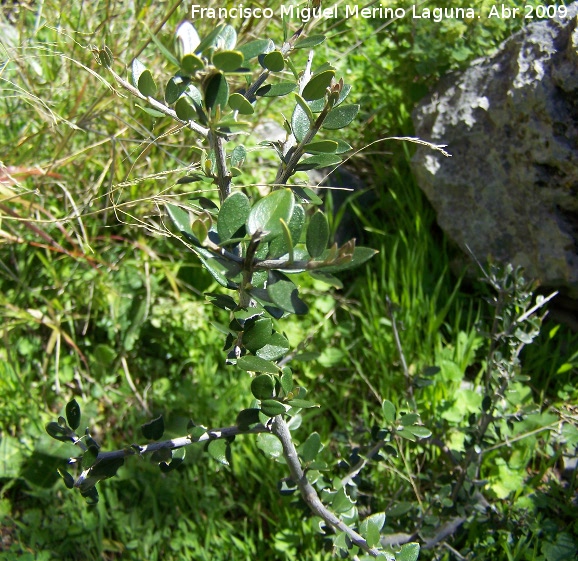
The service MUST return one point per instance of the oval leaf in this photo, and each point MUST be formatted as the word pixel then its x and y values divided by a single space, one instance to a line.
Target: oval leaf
pixel 279 246
pixel 317 86
pixel 256 364
pixel 322 147
pixel 153 430
pixel 284 294
pixel 340 116
pixel 191 63
pixel 309 42
pixel 317 234
pixel 267 213
pixel 272 407
pixel 73 414
pixel 228 61
pixel 276 90
pixel 220 450
pixel 263 386
pixel 270 445
pixel 274 61
pixel 257 334
pixel 311 447
pixel 186 39
pixel 256 48
pixel 175 88
pixel 238 102
pixel 276 347
pixel 185 109
pixel 388 411
pixel 233 215
pixel 300 123
pixel 216 91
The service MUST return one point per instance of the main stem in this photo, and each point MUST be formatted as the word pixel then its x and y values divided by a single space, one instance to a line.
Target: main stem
pixel 280 429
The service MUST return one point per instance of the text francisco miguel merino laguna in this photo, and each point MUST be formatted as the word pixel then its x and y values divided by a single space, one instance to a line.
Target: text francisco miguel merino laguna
pixel 348 11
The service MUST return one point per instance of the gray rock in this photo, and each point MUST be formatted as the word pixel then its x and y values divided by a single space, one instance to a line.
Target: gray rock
pixel 510 189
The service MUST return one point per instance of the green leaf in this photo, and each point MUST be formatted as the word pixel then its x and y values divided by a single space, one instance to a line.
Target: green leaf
pixel 317 86
pixel 186 39
pixel 68 479
pixel 327 279
pixel 256 48
pixel 89 457
pixel 360 256
pixel 276 90
pixel 340 117
pixel 238 155
pixel 341 502
pixel 185 110
pixel 238 102
pixel 176 86
pixel 302 404
pixel 300 123
pixel 263 386
pixel 409 419
pixel 309 42
pixel 272 407
pixel 317 234
pixel 284 293
pixel 409 552
pixel 270 445
pixel 191 63
pixel 388 411
pixel 210 39
pixel 142 79
pixel 256 364
pixel 232 216
pixel 318 161
pixel 371 527
pixel 257 334
pixel 317 105
pixel 274 61
pixel 420 432
pixel 227 38
pixel 310 448
pixel 276 347
pixel 153 430
pixel 405 433
pixel 220 450
pixel 322 147
pixel 216 91
pixel 63 434
pixel 228 61
pixel 267 213
pixel 279 246
pixel 247 417
pixel 287 379
pixel 73 414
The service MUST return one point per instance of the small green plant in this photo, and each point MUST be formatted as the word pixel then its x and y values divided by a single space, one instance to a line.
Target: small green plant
pixel 252 245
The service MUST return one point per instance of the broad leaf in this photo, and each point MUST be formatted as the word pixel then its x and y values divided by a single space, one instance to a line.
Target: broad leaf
pixel 216 91
pixel 238 102
pixel 322 147
pixel 409 552
pixel 317 86
pixel 276 90
pixel 187 39
pixel 227 38
pixel 300 123
pixel 274 61
pixel 210 39
pixel 279 246
pixel 263 386
pixel 185 110
pixel 276 347
pixel 228 61
pixel 220 450
pixel 270 445
pixel 388 411
pixel 176 86
pixel 191 63
pixel 233 215
pixel 257 334
pixel 318 161
pixel 267 213
pixel 143 79
pixel 153 430
pixel 360 256
pixel 310 448
pixel 309 42
pixel 284 293
pixel 256 48
pixel 272 407
pixel 256 364
pixel 73 414
pixel 247 417
pixel 317 234
pixel 340 117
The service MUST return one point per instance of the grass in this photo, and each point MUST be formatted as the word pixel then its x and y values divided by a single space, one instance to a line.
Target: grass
pixel 96 304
